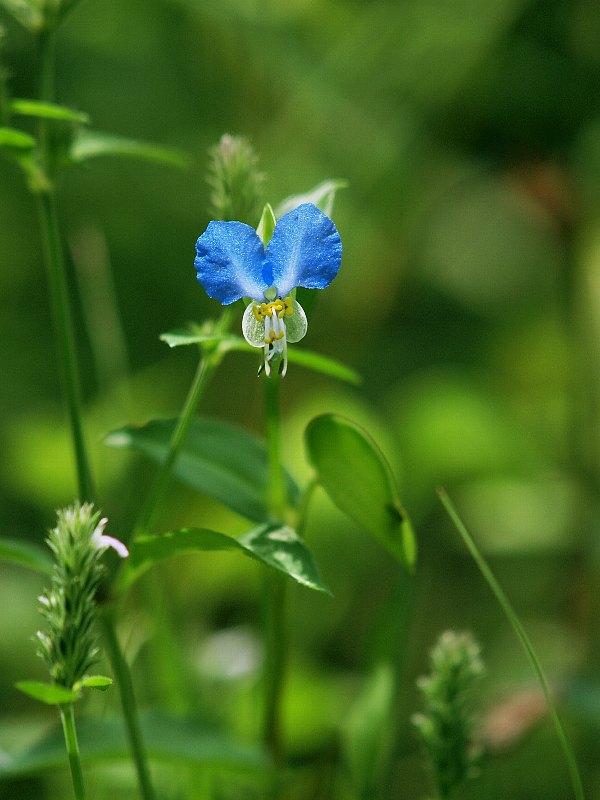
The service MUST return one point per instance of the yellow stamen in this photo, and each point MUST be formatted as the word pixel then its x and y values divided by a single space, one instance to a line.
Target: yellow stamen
pixel 282 308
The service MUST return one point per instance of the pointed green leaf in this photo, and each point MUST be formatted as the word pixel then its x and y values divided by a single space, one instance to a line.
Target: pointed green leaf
pixel 49 693
pixel 25 554
pixel 13 139
pixel 146 551
pixel 168 739
pixel 181 336
pixel 93 144
pixel 37 108
pixel 266 226
pixel 274 545
pixel 217 459
pixel 281 548
pixel 94 682
pixel 323 364
pixel 322 196
pixel 303 358
pixel 357 477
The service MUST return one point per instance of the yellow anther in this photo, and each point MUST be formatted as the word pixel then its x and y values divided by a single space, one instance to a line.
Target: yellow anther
pixel 281 308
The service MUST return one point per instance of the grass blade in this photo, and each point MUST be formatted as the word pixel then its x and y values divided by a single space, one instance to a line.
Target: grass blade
pixel 523 638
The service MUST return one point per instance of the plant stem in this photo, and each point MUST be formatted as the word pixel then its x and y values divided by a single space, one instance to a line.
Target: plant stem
pixel 57 278
pixel 207 366
pixel 275 585
pixel 65 336
pixel 132 723
pixel 68 722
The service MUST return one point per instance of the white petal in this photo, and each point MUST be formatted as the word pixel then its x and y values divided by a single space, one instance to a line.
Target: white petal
pixel 252 329
pixel 296 324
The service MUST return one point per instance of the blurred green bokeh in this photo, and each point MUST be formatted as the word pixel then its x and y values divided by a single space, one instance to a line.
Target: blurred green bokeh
pixel 469 299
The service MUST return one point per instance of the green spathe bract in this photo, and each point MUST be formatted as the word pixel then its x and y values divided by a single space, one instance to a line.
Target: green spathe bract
pixel 357 477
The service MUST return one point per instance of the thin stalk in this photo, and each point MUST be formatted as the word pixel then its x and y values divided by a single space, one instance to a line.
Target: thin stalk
pixel 68 722
pixel 65 337
pixel 130 715
pixel 206 368
pixel 57 278
pixel 515 622
pixel 275 585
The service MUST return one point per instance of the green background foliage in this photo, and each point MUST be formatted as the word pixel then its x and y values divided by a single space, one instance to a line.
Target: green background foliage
pixel 468 299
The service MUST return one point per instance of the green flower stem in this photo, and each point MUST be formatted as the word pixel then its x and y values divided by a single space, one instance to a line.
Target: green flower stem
pixel 518 628
pixel 132 722
pixel 207 366
pixel 65 336
pixel 276 500
pixel 275 585
pixel 68 722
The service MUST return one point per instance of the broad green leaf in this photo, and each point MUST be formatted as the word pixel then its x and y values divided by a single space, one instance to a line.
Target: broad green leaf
pixel 93 682
pixel 217 459
pixel 168 739
pixel 357 477
pixel 93 144
pixel 13 139
pixel 322 196
pixel 266 226
pixel 367 731
pixel 37 108
pixel 303 358
pixel 25 554
pixel 49 693
pixel 276 546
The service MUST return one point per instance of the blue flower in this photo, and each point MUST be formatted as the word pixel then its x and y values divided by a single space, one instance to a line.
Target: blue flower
pixel 232 262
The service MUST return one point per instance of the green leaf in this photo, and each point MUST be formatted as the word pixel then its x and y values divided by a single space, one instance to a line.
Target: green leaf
pixel 50 693
pixel 303 358
pixel 25 554
pixel 13 139
pixel 324 365
pixel 93 144
pixel 357 477
pixel 282 549
pixel 274 545
pixel 266 226
pixel 322 196
pixel 37 108
pixel 217 459
pixel 94 682
pixel 181 336
pixel 168 739
pixel 367 731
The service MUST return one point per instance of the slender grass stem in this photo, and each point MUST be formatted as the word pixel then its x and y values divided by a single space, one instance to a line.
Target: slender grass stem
pixel 523 638
pixel 131 718
pixel 68 722
pixel 57 278
pixel 65 337
pixel 275 585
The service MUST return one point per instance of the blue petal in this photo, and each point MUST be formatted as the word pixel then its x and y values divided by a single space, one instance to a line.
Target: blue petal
pixel 230 262
pixel 305 250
